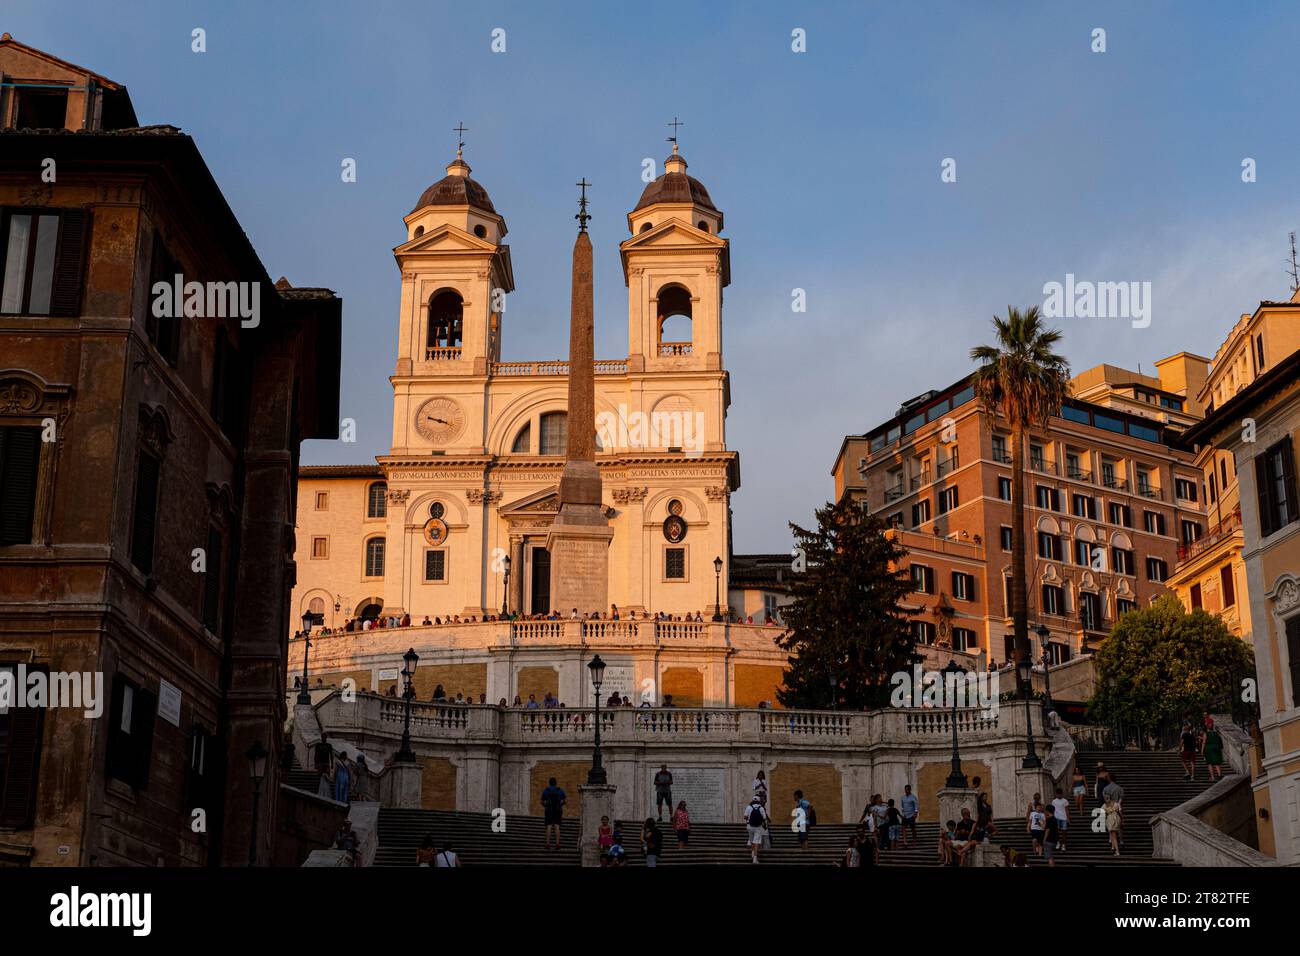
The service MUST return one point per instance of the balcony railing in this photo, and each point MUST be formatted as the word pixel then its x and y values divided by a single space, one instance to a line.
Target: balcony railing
pixel 946 466
pixel 1146 491
pixel 1225 528
pixel 893 494
pixel 1078 474
pixel 674 348
pixel 556 367
pixel 922 479
pixel 1042 466
pixel 1115 484
pixel 1002 458
pixel 442 353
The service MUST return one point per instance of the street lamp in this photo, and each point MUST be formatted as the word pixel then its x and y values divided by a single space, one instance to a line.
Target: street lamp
pixel 596 775
pixel 304 695
pixel 505 593
pixel 717 584
pixel 256 755
pixel 1043 636
pixel 410 660
pixel 1024 670
pixel 952 674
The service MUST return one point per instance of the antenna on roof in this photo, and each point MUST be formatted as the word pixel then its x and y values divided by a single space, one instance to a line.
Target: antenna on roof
pixel 1295 268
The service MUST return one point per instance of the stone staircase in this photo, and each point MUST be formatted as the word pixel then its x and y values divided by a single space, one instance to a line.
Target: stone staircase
pixel 1152 782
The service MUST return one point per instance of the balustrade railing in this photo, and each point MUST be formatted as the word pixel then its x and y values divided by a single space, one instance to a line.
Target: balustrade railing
pixel 674 348
pixel 441 353
pixel 805 724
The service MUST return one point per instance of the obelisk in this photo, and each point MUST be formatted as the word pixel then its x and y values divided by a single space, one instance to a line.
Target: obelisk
pixel 580 535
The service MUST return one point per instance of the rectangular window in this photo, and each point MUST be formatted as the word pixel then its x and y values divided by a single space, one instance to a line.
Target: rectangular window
pixel 1085 506
pixel 21 730
pixel 164 332
pixel 145 515
pixel 1124 561
pixel 322 501
pixel 1197 603
pixel 1293 654
pixel 1185 489
pixel 20 457
pixel 1072 414
pixel 964 639
pixel 675 564
pixel 1120 514
pixel 1214 488
pixel 1004 489
pixel 922 579
pixel 1276 486
pixel 1083 553
pixel 1090 611
pixel 1227 586
pixel 963 586
pixel 213 562
pixel 1049 546
pixel 320 547
pixel 1108 422
pixel 1157 570
pixel 947 500
pixel 1259 351
pixel 1053 600
pixel 1000 450
pixel 1049 499
pixel 43 260
pixel 375 549
pixel 435 565
pixel 1006 538
pixel 130 733
pixel 1122 606
pixel 1154 522
pixel 921 512
pixel 377 500
pixel 895 520
pixel 923 632
pixel 1191 531
pixel 197 779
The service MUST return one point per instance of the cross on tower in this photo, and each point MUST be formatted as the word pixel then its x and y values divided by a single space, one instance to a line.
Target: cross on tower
pixel 673 139
pixel 460 131
pixel 582 215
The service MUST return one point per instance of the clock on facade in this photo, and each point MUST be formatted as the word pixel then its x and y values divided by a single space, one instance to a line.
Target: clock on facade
pixel 440 420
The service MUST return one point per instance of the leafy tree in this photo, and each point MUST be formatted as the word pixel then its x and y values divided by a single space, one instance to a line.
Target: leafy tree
pixel 846 632
pixel 1160 663
pixel 1026 382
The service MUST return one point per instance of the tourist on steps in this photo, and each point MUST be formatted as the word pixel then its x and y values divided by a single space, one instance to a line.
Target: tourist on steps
pixel 652 841
pixel 1079 783
pixel 553 799
pixel 911 809
pixel 756 826
pixel 1189 744
pixel 663 791
pixel 426 851
pixel 682 825
pixel 1212 747
pixel 1061 811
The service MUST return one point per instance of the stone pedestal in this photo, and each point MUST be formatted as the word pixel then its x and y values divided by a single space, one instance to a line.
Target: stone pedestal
pixel 1029 782
pixel 580 560
pixel 402 786
pixel 952 800
pixel 986 854
pixel 597 802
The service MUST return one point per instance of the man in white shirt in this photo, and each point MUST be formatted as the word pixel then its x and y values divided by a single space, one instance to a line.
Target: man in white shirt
pixel 446 857
pixel 1061 809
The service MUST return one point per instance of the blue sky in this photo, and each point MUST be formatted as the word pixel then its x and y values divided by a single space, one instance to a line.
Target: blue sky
pixel 1123 165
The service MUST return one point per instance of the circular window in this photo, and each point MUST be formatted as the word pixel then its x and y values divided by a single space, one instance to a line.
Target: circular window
pixel 703 225
pixel 437 510
pixel 480 231
pixel 646 226
pixel 419 231
pixel 675 506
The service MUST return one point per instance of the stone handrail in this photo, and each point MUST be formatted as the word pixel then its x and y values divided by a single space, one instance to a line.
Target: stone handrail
pixel 1180 835
pixel 556 367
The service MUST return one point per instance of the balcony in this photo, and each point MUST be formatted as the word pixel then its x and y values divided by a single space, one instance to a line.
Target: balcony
pixel 674 348
pixel 947 466
pixel 556 367
pixel 1115 484
pixel 442 353
pixel 1042 466
pixel 1078 474
pixel 893 494
pixel 1146 491
pixel 1224 529
pixel 1001 457
pixel 919 480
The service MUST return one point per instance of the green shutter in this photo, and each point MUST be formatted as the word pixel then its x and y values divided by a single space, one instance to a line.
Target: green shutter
pixel 70 265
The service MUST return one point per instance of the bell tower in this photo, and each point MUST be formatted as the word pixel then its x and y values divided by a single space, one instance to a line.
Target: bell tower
pixel 455 274
pixel 675 266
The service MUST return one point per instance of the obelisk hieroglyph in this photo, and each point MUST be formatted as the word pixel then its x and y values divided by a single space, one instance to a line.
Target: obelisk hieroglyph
pixel 580 535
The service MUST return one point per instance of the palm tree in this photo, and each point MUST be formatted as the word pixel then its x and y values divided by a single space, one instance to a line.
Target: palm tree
pixel 1023 379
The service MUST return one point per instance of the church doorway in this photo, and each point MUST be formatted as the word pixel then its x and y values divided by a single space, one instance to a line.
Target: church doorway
pixel 369 612
pixel 541 589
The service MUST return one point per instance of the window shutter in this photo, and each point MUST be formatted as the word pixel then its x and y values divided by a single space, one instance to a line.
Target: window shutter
pixel 212 582
pixel 1288 483
pixel 19 765
pixel 146 513
pixel 70 265
pixel 20 452
pixel 972 590
pixel 1264 486
pixel 1293 652
pixel 142 720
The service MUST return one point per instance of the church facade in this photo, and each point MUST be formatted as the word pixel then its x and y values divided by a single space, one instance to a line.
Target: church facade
pixel 454 520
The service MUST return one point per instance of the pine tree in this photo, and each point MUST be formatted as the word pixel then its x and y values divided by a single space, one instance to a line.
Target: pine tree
pixel 847 632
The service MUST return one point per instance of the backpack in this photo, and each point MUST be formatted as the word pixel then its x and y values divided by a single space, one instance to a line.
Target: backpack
pixel 756 816
pixel 551 799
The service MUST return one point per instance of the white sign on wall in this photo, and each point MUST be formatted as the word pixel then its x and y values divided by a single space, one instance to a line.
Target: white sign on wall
pixel 169 703
pixel 620 678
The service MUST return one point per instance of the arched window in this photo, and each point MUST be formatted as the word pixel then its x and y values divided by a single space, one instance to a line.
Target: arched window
pixel 375 558
pixel 523 441
pixel 377 500
pixel 554 433
pixel 480 231
pixel 703 225
pixel 674 321
pixel 646 226
pixel 445 320
pixel 317 605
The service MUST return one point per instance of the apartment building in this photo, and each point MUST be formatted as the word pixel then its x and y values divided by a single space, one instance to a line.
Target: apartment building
pixel 1110 500
pixel 1253 418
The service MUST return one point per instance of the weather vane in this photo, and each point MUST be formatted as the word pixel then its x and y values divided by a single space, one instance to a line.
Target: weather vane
pixel 460 132
pixel 673 139
pixel 582 215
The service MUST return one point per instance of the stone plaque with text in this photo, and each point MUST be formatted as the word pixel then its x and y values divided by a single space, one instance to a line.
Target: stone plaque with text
pixel 701 788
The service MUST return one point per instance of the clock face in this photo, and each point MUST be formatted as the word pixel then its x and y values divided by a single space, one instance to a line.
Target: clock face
pixel 440 420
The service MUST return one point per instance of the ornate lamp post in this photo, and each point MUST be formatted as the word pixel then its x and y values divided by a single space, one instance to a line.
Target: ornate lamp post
pixel 410 659
pixel 304 695
pixel 952 674
pixel 505 594
pixel 596 775
pixel 1043 636
pixel 717 585
pixel 1025 670
pixel 256 755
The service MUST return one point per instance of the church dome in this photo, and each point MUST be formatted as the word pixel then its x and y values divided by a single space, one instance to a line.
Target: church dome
pixel 674 186
pixel 456 189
